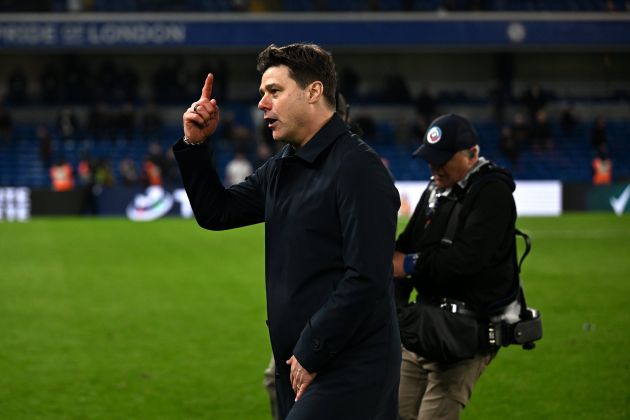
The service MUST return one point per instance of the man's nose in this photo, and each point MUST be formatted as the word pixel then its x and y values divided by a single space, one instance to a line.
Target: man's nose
pixel 263 104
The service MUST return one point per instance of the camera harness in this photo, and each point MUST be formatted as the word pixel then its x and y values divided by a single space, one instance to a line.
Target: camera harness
pixel 501 332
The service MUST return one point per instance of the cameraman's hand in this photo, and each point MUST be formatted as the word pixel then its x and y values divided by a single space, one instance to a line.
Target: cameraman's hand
pixel 202 118
pixel 399 264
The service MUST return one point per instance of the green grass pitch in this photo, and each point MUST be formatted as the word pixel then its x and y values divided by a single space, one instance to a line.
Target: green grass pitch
pixel 110 319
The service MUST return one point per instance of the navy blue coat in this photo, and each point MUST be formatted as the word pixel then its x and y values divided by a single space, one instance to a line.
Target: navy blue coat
pixel 330 212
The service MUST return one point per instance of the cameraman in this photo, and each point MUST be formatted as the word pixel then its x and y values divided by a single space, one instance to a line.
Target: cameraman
pixel 477 268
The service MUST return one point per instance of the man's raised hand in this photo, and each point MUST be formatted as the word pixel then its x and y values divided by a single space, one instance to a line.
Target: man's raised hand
pixel 202 118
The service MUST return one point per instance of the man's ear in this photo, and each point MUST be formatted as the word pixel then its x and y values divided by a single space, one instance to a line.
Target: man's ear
pixel 315 92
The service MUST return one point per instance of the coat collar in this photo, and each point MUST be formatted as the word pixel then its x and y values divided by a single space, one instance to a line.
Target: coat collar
pixel 326 135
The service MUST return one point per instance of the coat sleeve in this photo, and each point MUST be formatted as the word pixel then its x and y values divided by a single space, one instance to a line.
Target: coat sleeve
pixel 367 204
pixel 216 207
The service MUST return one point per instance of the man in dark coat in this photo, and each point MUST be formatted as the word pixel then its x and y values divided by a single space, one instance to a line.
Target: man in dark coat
pixel 330 211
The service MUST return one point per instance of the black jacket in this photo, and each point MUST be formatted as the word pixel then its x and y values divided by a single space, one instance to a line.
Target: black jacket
pixel 479 267
pixel 330 211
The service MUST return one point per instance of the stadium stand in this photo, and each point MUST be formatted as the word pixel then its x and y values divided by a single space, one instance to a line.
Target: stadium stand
pixel 382 91
pixel 569 160
pixel 311 5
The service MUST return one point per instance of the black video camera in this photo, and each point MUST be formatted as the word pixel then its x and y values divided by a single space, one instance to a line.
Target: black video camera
pixel 523 332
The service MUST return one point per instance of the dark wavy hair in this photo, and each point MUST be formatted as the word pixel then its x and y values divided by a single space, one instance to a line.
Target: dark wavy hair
pixel 307 63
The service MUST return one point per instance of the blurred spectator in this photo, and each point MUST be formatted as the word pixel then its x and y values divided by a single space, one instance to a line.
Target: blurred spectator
pixel 17 87
pixel 103 176
pixel 426 106
pixel 6 125
pixel 500 99
pixel 128 172
pixel 126 121
pixel 263 153
pixel 128 85
pixel 542 138
pixel 152 122
pixel 534 100
pixel 349 83
pixel 237 169
pixel 45 146
pixel 86 170
pixel 233 130
pixel 156 155
pixel 567 121
pixel 153 167
pixel 343 110
pixel 417 129
pixel 170 82
pixel 152 173
pixel 106 82
pixel 61 176
pixel 509 145
pixel 602 168
pixel 367 125
pixel 67 124
pixel 74 80
pixel 49 84
pixel 270 145
pixel 238 135
pixel 598 134
pixel 520 129
pixel 395 89
pixel 99 121
pixel 171 170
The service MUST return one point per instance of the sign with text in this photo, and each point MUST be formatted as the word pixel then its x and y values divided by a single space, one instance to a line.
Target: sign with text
pixel 212 30
pixel 533 198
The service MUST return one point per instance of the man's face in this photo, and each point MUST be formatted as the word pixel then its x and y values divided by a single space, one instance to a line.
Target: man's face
pixel 284 105
pixel 453 171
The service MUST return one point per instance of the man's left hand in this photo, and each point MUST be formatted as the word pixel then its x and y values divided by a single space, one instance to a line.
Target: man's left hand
pixel 300 377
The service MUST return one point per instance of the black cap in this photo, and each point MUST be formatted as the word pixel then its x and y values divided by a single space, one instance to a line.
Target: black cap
pixel 447 135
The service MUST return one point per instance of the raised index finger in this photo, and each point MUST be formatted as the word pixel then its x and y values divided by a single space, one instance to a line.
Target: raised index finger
pixel 206 92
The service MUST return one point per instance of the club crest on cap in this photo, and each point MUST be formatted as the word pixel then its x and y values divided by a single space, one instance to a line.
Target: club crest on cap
pixel 434 135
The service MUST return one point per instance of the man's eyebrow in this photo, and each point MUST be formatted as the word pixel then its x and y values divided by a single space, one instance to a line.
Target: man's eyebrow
pixel 268 87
